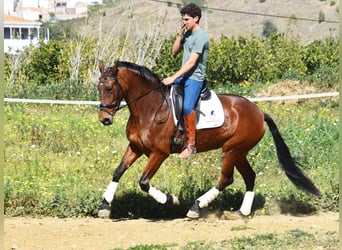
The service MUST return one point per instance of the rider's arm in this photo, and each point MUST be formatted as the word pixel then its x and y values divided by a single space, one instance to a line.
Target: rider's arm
pixel 177 45
pixel 189 64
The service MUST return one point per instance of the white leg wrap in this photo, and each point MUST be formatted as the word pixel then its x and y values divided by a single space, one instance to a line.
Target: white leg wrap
pixel 110 191
pixel 157 195
pixel 208 197
pixel 247 203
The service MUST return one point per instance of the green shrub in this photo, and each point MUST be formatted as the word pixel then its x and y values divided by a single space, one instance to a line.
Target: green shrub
pixel 237 60
pixel 322 53
pixel 166 64
pixel 322 60
pixel 235 63
pixel 47 63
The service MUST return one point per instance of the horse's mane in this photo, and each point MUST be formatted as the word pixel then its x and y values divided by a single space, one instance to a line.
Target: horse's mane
pixel 141 70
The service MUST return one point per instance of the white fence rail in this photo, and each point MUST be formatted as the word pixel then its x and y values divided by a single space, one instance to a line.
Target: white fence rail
pixel 293 97
pixel 256 99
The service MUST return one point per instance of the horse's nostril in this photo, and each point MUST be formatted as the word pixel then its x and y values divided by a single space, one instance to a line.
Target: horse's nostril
pixel 106 121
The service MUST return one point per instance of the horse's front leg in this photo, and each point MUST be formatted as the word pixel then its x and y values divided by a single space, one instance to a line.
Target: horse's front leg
pixel 153 164
pixel 127 160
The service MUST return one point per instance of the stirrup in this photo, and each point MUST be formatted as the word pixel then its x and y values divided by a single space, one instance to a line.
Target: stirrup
pixel 187 152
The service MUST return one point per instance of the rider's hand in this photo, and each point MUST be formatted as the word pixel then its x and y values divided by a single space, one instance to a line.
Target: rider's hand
pixel 182 30
pixel 169 80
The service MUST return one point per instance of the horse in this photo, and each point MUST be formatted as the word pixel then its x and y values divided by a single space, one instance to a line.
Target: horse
pixel 151 131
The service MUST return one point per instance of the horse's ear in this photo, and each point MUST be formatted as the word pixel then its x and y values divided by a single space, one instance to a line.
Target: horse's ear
pixel 101 66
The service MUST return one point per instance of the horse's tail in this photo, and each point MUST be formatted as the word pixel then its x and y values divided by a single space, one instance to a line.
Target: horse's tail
pixel 287 163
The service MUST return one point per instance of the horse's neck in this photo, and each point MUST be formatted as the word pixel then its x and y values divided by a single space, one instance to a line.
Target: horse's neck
pixel 140 93
pixel 143 98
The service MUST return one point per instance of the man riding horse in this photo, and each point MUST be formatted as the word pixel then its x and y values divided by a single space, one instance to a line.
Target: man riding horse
pixel 194 42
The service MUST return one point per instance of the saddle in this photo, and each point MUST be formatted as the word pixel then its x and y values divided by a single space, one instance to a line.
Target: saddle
pixel 178 97
pixel 209 110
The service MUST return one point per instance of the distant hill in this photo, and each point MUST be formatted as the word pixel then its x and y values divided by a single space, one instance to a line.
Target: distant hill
pixel 230 18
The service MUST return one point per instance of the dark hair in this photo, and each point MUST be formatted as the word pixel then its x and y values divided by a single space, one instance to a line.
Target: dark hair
pixel 192 10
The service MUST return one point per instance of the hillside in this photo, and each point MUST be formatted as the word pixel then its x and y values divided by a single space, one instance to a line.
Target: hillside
pixel 230 18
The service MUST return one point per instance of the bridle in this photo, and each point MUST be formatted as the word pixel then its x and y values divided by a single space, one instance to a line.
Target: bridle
pixel 116 106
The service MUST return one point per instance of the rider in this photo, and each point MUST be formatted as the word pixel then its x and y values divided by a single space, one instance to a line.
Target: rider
pixel 194 41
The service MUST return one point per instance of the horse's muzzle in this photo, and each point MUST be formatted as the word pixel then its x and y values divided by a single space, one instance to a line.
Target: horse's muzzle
pixel 107 121
pixel 106 118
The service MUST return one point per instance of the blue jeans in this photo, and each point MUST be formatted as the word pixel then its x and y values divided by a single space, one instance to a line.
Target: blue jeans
pixel 192 91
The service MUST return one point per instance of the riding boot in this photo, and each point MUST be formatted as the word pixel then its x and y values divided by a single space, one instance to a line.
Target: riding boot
pixel 190 132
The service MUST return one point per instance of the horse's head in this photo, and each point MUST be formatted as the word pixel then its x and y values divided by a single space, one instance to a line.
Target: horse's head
pixel 110 93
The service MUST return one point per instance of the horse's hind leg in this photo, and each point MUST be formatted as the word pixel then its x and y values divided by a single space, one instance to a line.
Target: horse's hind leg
pixel 248 176
pixel 226 179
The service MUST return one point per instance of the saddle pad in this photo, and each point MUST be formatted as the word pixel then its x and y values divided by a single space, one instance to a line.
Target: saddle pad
pixel 210 114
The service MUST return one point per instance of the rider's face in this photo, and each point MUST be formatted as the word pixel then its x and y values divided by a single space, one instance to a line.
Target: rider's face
pixel 188 21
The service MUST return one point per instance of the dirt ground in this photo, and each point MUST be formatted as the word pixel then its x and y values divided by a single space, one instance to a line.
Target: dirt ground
pixel 93 233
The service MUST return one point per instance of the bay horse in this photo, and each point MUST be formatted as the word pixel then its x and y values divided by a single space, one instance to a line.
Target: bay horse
pixel 151 129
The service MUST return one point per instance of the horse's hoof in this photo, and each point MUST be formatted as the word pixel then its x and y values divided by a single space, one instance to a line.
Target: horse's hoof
pixel 192 214
pixel 172 200
pixel 103 213
pixel 104 209
pixel 194 211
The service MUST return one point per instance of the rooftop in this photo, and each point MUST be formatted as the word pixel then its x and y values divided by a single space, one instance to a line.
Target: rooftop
pixel 13 19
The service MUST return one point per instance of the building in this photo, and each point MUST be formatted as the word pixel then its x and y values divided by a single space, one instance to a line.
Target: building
pixel 68 9
pixel 41 9
pixel 23 19
pixel 33 10
pixel 20 33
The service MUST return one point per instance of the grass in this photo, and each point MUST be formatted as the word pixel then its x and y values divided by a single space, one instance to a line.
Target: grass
pixel 59 159
pixel 292 239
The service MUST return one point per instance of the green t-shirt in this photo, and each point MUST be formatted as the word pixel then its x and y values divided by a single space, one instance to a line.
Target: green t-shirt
pixel 196 42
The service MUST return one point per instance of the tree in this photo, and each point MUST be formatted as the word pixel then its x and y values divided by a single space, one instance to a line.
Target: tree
pixel 321 16
pixel 269 28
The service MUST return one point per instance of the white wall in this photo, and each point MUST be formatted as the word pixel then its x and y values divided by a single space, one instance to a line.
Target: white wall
pixel 8 7
pixel 35 4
